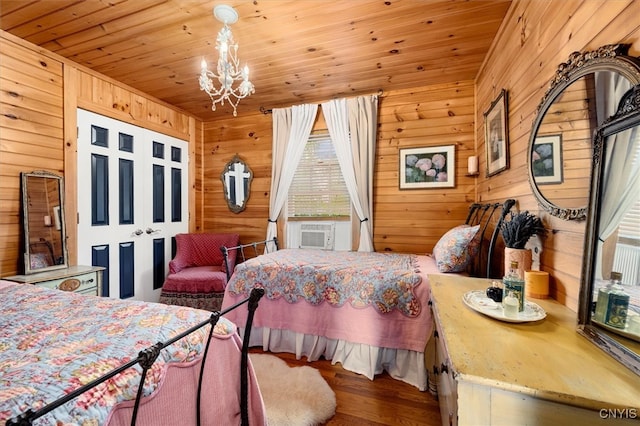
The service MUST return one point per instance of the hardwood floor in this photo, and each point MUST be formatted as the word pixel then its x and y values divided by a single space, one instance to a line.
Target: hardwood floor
pixel 383 401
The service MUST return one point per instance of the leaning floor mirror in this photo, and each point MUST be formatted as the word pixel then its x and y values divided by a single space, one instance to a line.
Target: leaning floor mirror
pixel 43 222
pixel 609 312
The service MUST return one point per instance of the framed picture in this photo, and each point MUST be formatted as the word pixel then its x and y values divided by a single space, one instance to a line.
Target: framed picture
pixel 496 135
pixel 546 160
pixel 428 167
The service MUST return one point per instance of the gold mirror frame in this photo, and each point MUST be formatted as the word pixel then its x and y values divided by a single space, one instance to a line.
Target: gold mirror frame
pixel 611 58
pixel 236 180
pixel 45 237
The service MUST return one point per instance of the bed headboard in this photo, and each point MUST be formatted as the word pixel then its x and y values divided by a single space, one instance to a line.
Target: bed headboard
pixel 266 245
pixel 490 217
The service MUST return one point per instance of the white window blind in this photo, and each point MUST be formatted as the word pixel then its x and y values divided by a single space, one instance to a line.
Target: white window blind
pixel 318 188
pixel 630 225
pixel 629 229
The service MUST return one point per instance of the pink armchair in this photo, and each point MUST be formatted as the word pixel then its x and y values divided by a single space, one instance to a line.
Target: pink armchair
pixel 197 274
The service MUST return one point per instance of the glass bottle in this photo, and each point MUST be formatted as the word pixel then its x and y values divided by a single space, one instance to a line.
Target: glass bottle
pixel 617 305
pixel 510 305
pixel 514 283
pixel 602 301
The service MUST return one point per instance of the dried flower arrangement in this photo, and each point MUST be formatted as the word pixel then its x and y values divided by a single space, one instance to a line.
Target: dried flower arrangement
pixel 520 227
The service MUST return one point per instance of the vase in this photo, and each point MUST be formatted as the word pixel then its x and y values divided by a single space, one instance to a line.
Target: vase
pixel 522 256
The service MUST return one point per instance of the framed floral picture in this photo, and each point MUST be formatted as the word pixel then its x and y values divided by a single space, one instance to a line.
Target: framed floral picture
pixel 428 167
pixel 546 160
pixel 496 135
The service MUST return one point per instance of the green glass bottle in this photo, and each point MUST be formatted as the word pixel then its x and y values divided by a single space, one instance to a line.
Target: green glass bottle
pixel 602 301
pixel 514 283
pixel 617 305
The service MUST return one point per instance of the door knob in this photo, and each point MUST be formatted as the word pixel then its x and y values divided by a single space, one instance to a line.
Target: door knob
pixel 152 231
pixel 138 232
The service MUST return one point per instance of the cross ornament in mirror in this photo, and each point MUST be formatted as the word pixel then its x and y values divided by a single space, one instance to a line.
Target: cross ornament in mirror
pixel 236 182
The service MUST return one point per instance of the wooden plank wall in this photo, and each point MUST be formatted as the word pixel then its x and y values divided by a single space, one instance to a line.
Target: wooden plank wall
pixel 250 136
pixel 409 221
pixel 412 221
pixel 31 135
pixel 38 130
pixel 534 39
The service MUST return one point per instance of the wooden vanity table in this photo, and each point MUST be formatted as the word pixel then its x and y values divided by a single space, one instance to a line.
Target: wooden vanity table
pixel 79 279
pixel 492 372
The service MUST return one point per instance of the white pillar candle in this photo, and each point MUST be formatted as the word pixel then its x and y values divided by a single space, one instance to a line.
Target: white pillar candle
pixel 473 165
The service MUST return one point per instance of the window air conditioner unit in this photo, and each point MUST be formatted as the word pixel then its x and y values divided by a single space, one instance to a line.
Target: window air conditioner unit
pixel 317 236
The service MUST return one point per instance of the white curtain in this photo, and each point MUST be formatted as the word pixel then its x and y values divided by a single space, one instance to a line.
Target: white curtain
pixel 620 174
pixel 620 180
pixel 291 130
pixel 358 117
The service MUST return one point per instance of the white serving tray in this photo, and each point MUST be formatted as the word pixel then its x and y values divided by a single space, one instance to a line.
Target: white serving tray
pixel 478 301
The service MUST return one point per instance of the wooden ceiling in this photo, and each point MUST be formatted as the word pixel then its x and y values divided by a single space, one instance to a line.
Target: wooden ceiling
pixel 298 51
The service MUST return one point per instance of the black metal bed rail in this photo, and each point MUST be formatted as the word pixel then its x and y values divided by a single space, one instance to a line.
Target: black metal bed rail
pixel 240 248
pixel 148 356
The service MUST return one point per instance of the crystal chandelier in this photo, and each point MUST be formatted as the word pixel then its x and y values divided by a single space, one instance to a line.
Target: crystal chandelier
pixel 228 70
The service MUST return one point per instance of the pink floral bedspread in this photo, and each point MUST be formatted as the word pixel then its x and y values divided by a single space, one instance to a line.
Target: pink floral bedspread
pixel 53 342
pixel 383 281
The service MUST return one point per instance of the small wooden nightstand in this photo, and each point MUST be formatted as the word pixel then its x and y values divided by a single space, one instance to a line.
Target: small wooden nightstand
pixel 79 279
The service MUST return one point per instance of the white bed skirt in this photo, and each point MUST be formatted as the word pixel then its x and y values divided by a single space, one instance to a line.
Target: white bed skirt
pixel 407 366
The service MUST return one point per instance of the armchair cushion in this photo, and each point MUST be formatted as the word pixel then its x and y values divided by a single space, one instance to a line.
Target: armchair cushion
pixel 202 250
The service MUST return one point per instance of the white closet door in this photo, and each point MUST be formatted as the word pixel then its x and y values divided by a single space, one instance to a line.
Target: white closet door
pixel 132 199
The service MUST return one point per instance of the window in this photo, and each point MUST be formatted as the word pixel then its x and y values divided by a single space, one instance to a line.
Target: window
pixel 629 231
pixel 318 188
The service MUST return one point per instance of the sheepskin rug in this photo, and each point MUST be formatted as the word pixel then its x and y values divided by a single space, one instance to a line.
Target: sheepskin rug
pixel 292 395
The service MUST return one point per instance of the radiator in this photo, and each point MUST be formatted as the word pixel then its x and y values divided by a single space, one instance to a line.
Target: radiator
pixel 627 261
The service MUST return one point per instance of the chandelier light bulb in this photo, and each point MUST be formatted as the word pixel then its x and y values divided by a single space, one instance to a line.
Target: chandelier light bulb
pixel 228 71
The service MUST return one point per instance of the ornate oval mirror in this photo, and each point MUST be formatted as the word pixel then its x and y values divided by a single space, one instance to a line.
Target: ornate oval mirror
pixel 609 312
pixel 583 93
pixel 236 182
pixel 43 222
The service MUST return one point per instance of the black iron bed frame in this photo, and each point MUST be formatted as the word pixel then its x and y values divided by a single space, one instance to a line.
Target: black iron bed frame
pixel 483 215
pixel 240 249
pixel 148 356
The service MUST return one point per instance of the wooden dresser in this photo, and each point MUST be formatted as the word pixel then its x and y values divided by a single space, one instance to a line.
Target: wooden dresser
pixel 80 279
pixel 544 373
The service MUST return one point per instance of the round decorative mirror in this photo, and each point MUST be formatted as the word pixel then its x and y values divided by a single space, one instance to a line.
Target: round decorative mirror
pixel 584 92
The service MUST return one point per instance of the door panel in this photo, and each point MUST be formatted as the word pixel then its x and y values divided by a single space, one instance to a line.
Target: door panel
pixel 131 202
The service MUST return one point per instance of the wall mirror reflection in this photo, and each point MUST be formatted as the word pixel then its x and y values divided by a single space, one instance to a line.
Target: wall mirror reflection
pixel 236 182
pixel 43 222
pixel 610 298
pixel 585 91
